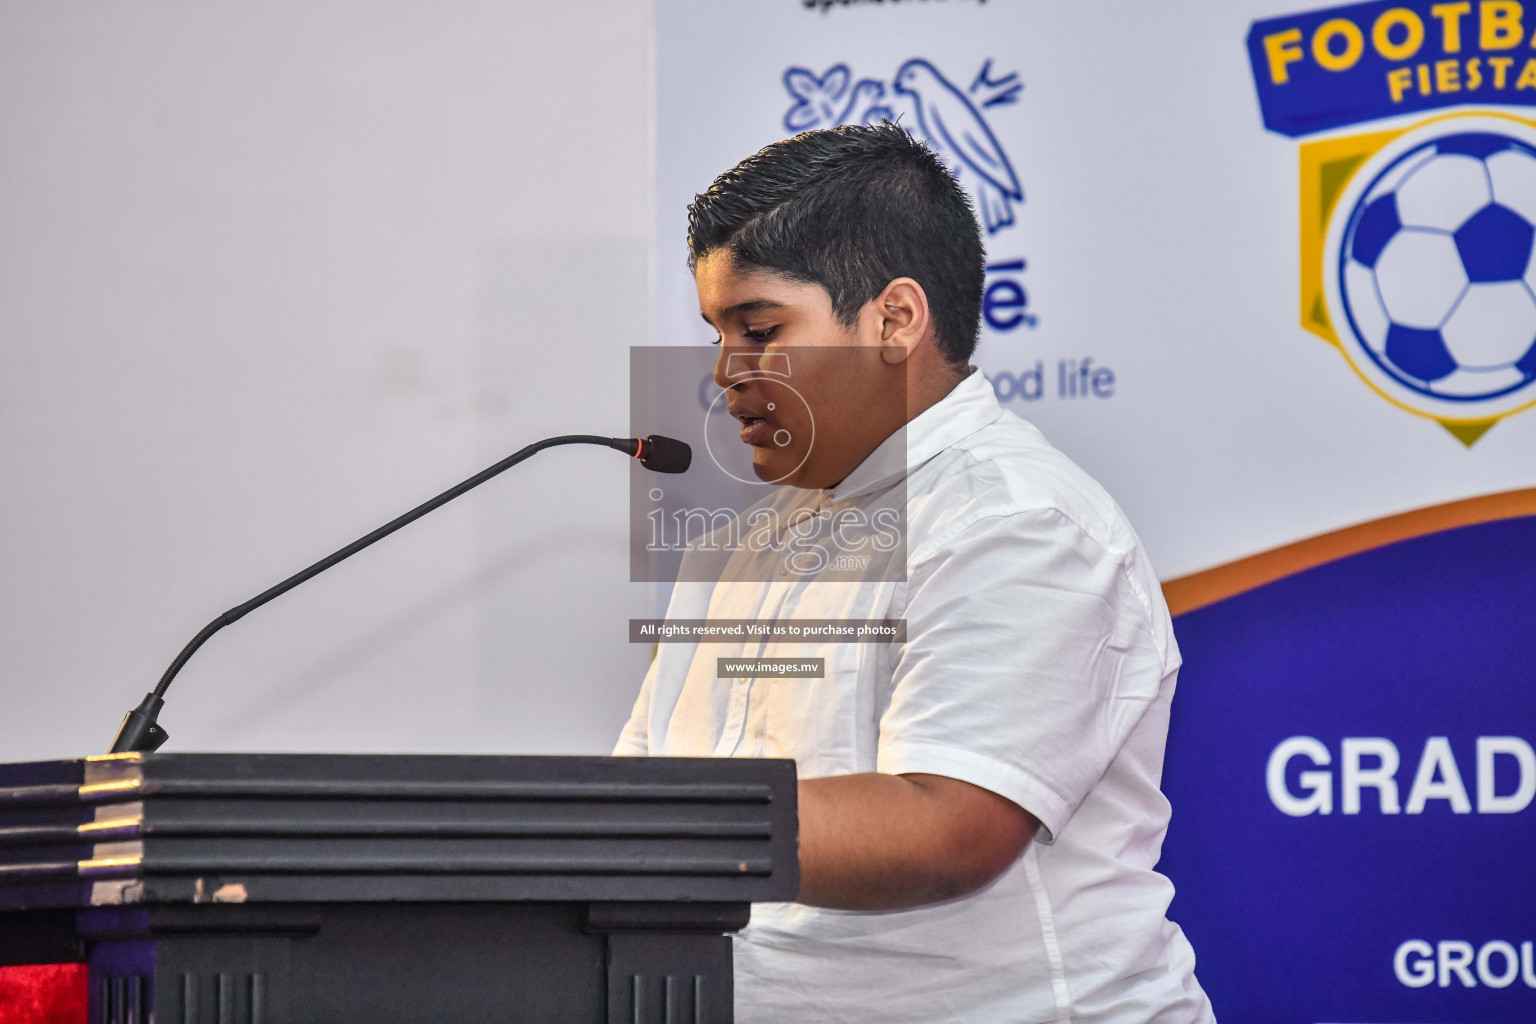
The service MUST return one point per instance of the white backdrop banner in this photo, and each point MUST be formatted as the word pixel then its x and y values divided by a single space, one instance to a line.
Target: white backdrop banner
pixel 1155 300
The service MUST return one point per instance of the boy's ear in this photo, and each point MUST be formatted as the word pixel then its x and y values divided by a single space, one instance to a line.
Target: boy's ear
pixel 902 313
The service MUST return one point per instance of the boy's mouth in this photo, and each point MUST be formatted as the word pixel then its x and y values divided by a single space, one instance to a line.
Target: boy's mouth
pixel 754 429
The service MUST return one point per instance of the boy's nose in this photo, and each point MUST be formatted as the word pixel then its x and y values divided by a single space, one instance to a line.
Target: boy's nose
pixel 735 365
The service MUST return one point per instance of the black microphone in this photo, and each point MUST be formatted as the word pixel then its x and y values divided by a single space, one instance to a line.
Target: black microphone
pixel 663 454
pixel 140 731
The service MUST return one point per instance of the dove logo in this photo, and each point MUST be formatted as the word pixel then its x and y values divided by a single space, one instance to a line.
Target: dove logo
pixel 825 101
pixel 953 126
pixel 950 119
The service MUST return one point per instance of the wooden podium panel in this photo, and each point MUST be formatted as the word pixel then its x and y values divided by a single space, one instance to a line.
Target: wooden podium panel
pixel 268 889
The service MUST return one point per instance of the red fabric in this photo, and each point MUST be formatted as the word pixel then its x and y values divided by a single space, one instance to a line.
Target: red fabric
pixel 43 994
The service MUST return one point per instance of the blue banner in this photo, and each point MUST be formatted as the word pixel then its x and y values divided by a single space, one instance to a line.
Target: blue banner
pixel 1361 62
pixel 1351 770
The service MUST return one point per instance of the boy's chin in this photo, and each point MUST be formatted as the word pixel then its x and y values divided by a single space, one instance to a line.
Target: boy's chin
pixel 787 471
pixel 774 467
pixel 767 469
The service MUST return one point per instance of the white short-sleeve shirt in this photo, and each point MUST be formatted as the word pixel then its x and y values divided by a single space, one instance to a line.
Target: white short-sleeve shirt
pixel 1039 664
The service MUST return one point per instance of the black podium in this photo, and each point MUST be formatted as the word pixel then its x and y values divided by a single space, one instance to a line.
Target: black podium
pixel 330 889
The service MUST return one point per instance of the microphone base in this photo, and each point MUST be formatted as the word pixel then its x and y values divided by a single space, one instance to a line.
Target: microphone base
pixel 140 732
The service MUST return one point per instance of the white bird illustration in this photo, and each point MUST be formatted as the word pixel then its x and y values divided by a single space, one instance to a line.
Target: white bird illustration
pixel 953 126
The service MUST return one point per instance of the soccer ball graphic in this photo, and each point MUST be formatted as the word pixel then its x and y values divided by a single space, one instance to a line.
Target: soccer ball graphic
pixel 1436 272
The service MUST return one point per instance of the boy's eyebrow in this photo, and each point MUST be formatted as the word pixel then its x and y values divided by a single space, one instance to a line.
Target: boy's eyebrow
pixel 750 306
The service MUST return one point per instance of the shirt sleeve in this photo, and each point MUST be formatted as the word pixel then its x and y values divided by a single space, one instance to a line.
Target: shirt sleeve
pixel 635 740
pixel 1028 662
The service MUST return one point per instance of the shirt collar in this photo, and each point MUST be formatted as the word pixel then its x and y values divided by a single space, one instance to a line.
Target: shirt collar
pixel 966 409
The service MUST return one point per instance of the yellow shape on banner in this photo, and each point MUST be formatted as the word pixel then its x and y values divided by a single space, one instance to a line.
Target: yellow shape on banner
pixel 1326 168
pixel 1468 431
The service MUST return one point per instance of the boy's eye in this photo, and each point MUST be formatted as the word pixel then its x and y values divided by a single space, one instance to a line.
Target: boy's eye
pixel 761 334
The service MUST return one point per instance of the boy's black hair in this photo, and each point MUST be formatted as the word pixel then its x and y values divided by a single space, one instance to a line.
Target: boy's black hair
pixel 851 209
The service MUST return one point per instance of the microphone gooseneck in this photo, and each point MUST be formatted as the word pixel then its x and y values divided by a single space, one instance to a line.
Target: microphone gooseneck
pixel 141 732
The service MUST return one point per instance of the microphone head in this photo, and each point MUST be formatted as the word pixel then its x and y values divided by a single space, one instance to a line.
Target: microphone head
pixel 666 455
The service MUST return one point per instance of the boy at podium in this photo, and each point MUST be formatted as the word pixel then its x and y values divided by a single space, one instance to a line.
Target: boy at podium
pixel 980 815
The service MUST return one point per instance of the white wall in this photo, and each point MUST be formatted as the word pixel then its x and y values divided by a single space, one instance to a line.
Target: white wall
pixel 271 274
